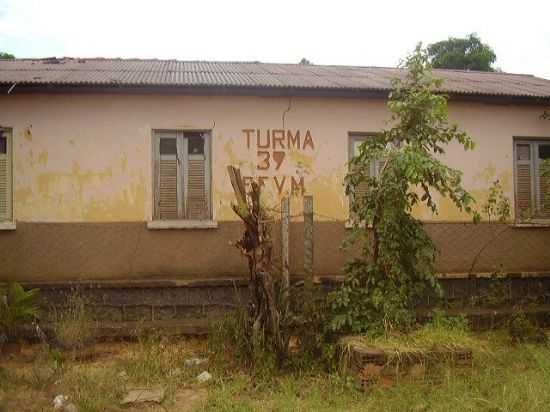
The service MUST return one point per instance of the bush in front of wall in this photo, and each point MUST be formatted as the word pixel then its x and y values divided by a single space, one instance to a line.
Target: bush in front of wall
pixel 395 172
pixel 17 307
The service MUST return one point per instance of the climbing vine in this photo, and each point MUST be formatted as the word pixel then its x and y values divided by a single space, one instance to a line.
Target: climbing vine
pixel 395 266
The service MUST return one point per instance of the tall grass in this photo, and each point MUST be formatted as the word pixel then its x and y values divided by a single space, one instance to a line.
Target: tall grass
pixel 74 327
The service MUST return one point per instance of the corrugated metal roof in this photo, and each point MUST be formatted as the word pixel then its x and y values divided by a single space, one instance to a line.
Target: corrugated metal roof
pixel 134 72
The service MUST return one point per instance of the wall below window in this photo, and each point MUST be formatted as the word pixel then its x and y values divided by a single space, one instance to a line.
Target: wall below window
pixel 128 250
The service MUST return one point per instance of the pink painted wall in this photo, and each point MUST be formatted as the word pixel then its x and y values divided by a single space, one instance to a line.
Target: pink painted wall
pixel 87 158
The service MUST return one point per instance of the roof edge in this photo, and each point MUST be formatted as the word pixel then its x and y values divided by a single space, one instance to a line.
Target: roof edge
pixel 29 88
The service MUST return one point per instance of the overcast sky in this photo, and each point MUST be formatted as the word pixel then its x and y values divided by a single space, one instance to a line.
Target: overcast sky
pixel 368 33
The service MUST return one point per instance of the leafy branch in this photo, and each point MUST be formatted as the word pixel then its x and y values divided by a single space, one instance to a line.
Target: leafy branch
pixel 396 264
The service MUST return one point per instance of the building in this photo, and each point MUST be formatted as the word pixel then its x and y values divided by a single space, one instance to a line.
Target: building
pixel 115 169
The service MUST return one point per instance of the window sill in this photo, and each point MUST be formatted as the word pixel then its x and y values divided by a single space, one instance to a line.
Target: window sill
pixel 182 224
pixel 534 223
pixel 7 225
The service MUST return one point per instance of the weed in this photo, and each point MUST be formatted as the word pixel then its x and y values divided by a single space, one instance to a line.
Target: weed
pixel 227 338
pixel 303 321
pixel 226 397
pixel 441 332
pixel 228 344
pixel 47 367
pixel 93 388
pixel 504 378
pixel 74 328
pixel 153 358
pixel 523 329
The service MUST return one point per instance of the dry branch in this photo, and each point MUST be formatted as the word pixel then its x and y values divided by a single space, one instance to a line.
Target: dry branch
pixel 264 316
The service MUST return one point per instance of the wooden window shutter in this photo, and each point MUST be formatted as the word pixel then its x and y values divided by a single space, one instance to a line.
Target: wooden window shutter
pixel 197 177
pixel 168 179
pixel 524 179
pixel 5 176
pixel 197 207
pixel 543 182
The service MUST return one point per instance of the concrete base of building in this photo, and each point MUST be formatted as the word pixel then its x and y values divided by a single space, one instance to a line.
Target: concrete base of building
pixel 126 307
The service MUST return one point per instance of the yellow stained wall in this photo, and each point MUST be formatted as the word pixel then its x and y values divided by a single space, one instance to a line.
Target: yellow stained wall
pixel 87 157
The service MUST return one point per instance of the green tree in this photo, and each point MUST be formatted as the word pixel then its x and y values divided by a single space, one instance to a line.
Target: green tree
pixel 4 55
pixel 467 53
pixel 396 264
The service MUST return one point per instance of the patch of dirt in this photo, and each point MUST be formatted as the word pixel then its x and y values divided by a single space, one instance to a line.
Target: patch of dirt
pixel 25 399
pixel 24 388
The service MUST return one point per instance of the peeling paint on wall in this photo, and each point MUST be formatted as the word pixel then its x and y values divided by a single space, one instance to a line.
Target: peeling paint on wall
pixel 81 161
pixel 128 204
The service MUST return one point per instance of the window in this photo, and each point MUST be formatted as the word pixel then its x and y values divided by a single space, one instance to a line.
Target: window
pixel 182 175
pixel 375 167
pixel 532 195
pixel 356 141
pixel 6 214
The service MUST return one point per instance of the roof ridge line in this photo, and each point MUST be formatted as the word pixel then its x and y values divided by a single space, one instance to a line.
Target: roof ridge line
pixel 253 62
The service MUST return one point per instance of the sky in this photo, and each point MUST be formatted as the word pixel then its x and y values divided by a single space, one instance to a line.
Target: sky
pixel 364 33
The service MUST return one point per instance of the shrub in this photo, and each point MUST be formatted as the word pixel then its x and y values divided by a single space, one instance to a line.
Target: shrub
pixel 17 307
pixel 523 329
pixel 396 264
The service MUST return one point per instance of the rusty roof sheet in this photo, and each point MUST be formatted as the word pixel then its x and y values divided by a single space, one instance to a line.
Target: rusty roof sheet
pixel 174 73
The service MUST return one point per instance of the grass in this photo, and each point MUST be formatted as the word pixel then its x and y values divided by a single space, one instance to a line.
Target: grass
pixel 97 384
pixel 74 327
pixel 441 334
pixel 505 377
pixel 509 378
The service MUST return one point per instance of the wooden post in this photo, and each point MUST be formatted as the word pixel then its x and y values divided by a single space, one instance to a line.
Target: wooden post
pixel 308 243
pixel 285 227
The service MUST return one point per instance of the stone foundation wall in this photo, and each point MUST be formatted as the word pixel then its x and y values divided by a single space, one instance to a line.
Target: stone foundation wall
pixel 166 300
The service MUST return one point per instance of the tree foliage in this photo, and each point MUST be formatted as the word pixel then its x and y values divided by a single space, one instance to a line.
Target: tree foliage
pixel 4 55
pixel 396 262
pixel 497 207
pixel 467 53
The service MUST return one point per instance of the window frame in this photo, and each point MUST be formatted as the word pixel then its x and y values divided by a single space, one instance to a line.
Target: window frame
pixel 353 139
pixel 9 222
pixel 534 165
pixel 182 221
